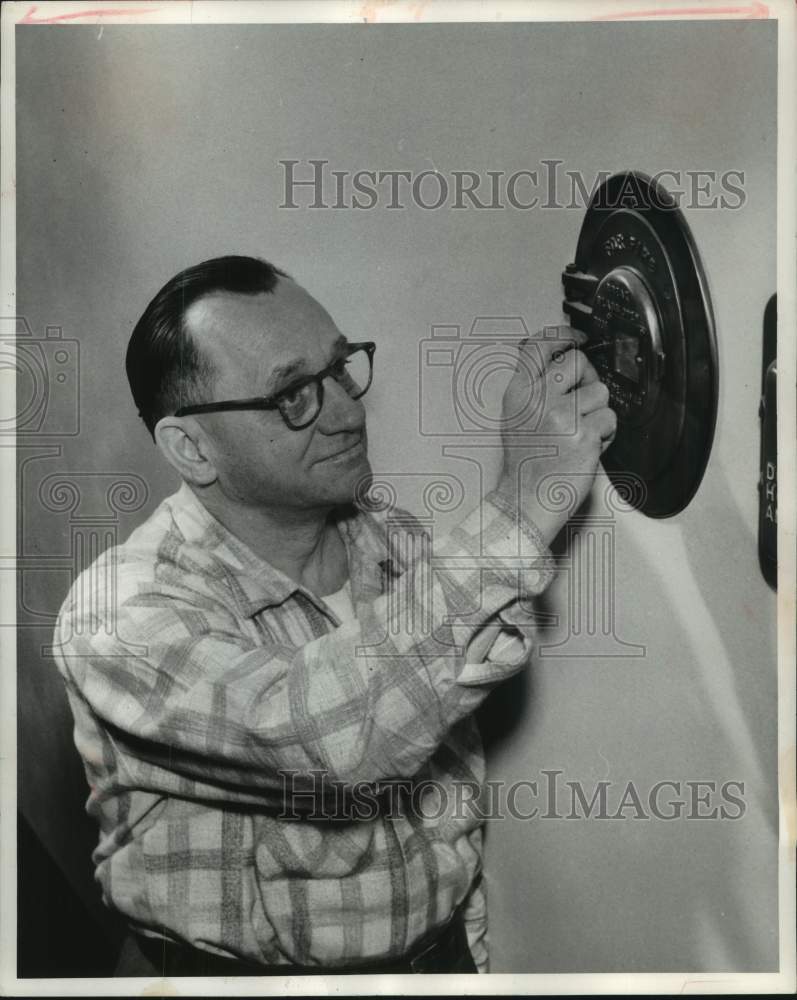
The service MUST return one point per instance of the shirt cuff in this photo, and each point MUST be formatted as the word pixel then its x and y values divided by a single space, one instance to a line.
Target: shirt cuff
pixel 510 563
pixel 502 543
pixel 523 535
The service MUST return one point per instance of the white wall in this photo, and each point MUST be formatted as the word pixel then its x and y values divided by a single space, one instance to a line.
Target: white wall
pixel 141 151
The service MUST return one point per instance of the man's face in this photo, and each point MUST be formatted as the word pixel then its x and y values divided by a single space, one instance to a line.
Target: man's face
pixel 259 344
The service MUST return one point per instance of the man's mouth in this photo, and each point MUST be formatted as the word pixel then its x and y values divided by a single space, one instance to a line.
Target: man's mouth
pixel 354 450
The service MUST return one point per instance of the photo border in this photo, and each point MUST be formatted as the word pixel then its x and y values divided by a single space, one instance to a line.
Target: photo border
pixel 132 12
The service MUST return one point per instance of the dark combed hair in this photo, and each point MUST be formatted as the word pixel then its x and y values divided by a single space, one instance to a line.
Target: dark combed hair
pixel 165 368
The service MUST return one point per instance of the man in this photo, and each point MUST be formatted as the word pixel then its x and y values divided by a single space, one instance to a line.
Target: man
pixel 247 697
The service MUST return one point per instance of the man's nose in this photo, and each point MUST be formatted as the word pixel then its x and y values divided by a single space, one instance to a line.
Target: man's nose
pixel 339 412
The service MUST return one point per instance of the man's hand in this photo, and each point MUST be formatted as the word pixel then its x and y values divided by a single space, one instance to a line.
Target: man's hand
pixel 556 423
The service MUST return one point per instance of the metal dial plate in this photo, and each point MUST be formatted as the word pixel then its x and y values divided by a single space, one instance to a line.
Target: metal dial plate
pixel 631 362
pixel 637 289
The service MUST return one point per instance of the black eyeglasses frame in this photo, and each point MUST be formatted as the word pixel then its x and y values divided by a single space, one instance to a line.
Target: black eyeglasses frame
pixel 272 402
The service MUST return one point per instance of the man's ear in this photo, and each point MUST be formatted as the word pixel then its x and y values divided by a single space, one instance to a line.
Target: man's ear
pixel 184 447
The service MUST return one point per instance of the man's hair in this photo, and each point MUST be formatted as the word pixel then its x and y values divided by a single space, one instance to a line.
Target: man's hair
pixel 165 368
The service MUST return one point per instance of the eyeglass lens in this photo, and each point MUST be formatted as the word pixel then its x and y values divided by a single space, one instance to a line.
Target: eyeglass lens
pixel 299 407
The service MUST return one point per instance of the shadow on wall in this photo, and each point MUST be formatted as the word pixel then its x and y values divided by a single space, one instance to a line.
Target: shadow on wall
pixel 513 703
pixel 745 683
pixel 64 929
pixel 700 704
pixel 57 936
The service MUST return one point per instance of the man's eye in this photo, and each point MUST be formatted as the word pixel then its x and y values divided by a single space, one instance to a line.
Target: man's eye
pixel 292 395
pixel 297 401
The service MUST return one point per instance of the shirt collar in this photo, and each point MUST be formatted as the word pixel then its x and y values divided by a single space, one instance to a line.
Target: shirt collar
pixel 257 585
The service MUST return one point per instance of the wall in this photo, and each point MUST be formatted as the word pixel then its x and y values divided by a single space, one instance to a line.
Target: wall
pixel 141 151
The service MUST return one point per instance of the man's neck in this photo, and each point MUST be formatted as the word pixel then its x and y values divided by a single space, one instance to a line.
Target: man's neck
pixel 304 544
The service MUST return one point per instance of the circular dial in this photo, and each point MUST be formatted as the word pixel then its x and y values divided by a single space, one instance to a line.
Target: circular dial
pixel 637 289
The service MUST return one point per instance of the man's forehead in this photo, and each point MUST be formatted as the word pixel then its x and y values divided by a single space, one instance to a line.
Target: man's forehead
pixel 286 321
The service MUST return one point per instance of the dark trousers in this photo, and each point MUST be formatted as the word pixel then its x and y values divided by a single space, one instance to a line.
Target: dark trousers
pixel 446 951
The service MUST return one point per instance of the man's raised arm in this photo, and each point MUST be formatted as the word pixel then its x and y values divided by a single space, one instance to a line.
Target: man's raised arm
pixel 372 699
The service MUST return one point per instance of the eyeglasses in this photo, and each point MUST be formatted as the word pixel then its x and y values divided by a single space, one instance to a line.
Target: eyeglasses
pixel 300 402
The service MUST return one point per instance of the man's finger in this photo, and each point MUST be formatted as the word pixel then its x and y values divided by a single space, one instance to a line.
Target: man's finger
pixel 549 344
pixel 569 371
pixel 588 374
pixel 604 421
pixel 591 397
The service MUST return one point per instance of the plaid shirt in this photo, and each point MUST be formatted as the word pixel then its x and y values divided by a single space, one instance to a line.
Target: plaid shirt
pixel 218 705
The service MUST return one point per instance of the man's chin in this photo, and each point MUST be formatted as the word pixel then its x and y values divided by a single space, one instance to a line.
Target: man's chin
pixel 352 485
